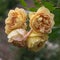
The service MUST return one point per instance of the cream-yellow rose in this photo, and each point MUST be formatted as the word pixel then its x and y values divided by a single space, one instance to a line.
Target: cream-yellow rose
pixel 16 37
pixel 42 21
pixel 36 41
pixel 16 19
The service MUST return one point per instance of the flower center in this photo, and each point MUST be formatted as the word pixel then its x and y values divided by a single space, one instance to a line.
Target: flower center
pixel 42 23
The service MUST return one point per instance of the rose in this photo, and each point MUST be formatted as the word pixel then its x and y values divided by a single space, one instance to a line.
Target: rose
pixel 36 41
pixel 16 19
pixel 42 21
pixel 16 37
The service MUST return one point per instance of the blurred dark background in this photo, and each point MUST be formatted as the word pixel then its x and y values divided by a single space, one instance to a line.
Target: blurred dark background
pixel 52 49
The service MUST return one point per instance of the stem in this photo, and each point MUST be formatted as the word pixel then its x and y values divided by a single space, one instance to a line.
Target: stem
pixel 25 37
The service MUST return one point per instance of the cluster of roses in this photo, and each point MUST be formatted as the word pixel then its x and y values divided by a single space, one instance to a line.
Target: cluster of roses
pixel 41 23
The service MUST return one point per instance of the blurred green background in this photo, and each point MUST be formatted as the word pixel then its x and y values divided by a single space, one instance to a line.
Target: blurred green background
pixel 52 49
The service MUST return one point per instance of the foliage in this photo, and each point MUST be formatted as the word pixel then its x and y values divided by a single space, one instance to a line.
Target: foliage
pixel 23 3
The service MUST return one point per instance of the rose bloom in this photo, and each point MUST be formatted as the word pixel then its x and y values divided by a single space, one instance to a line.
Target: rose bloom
pixel 36 41
pixel 16 19
pixel 16 37
pixel 42 21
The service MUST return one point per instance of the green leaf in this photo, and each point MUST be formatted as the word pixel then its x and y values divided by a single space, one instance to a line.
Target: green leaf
pixel 37 4
pixel 32 9
pixel 57 16
pixel 54 2
pixel 23 3
pixel 49 5
pixel 55 34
